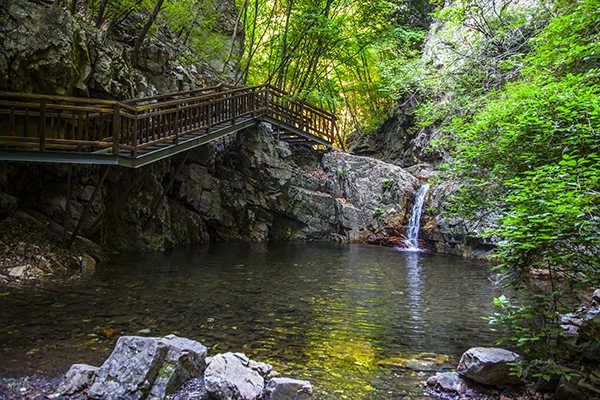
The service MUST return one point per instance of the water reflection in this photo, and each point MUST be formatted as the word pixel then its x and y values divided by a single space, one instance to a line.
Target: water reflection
pixel 349 318
pixel 414 286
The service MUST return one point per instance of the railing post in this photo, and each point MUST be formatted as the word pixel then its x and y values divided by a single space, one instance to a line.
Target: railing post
pixel 209 117
pixel 11 128
pixel 302 116
pixel 233 98
pixel 176 127
pixel 116 128
pixel 253 102
pixel 134 134
pixel 42 125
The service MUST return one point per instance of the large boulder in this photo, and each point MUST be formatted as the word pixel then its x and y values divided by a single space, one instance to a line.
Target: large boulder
pixel 184 360
pixel 287 389
pixel 490 366
pixel 567 390
pixel 232 376
pixel 147 368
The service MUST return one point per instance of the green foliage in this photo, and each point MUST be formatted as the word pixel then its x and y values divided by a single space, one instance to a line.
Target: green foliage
pixel 192 21
pixel 531 157
pixel 327 52
pixel 378 212
pixel 388 183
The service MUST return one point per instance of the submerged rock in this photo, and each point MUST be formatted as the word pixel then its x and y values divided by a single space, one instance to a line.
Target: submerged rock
pixel 489 366
pixel 448 382
pixel 287 389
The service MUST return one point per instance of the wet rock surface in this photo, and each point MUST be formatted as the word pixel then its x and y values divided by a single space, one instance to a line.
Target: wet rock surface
pixel 286 388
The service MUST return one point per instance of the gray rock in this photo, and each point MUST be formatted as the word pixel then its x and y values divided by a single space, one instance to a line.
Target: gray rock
pixel 229 377
pixel 44 50
pixel 589 331
pixel 141 368
pixel 287 389
pixel 184 360
pixel 596 298
pixel 567 390
pixel 79 377
pixel 17 272
pixel 488 365
pixel 129 371
pixel 8 203
pixel 448 382
pixel 590 352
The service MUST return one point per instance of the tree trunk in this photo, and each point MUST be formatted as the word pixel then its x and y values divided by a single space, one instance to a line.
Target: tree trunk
pixel 100 16
pixel 141 37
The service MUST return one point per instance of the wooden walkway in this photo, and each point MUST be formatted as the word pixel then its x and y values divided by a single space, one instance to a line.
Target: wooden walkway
pixel 134 133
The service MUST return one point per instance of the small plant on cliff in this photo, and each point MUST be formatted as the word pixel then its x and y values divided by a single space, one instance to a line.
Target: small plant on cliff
pixel 377 212
pixel 388 183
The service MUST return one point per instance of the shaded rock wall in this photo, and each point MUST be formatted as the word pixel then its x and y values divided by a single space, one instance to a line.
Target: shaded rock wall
pixel 243 187
pixel 45 50
pixel 393 141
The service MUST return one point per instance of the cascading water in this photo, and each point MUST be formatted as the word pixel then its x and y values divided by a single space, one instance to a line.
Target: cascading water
pixel 412 231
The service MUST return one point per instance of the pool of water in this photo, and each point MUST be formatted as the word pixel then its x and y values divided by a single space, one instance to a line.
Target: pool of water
pixel 358 321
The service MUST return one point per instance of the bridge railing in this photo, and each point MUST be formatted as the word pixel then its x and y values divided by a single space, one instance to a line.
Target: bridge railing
pixel 65 123
pixel 58 122
pixel 300 114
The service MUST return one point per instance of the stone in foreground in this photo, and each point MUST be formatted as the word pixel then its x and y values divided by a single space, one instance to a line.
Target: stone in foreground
pixel 184 360
pixel 489 366
pixel 287 389
pixel 448 382
pixel 79 377
pixel 230 376
pixel 147 368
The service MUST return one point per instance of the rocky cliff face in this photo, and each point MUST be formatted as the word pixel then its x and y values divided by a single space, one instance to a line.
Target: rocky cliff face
pixel 447 48
pixel 46 50
pixel 245 187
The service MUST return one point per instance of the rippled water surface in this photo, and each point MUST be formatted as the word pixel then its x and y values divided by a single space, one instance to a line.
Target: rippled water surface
pixel 360 322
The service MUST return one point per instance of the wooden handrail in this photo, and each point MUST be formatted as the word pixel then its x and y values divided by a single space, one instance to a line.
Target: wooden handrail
pixel 86 124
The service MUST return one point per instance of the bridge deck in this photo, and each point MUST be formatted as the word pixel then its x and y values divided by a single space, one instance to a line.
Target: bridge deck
pixel 55 129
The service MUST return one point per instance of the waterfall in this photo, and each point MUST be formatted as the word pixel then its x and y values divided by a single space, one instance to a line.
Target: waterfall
pixel 412 231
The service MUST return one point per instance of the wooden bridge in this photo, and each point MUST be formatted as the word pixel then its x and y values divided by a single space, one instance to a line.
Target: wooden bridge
pixel 134 133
